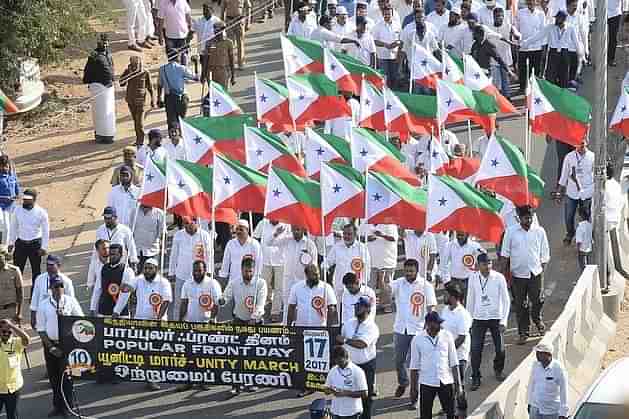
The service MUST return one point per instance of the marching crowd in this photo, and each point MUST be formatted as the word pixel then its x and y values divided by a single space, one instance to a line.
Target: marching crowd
pixel 276 273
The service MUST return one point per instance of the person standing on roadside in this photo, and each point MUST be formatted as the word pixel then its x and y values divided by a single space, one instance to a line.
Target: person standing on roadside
pixel 99 75
pixel 13 342
pixel 138 82
pixel 548 386
pixel 236 14
pixel 175 23
pixel 9 191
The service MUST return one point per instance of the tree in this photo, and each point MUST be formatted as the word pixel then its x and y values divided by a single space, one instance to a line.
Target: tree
pixel 41 29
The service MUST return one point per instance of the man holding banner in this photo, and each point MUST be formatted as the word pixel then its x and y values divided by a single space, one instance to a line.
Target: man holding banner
pixel 106 290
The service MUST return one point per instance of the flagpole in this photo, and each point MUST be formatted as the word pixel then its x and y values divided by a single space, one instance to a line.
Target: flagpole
pixel 163 249
pixel 362 249
pixel 213 236
pixel 411 65
pixel 210 92
pixel 323 235
pixel 255 85
pixel 469 136
pixel 202 97
pixel 526 119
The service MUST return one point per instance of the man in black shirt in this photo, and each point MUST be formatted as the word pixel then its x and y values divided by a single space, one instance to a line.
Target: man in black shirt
pixel 99 74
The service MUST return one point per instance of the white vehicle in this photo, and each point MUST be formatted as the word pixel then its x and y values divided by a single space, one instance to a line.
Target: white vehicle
pixel 608 396
pixel 29 88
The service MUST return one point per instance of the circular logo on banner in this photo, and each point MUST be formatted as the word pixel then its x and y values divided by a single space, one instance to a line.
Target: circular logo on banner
pixel 468 261
pixel 305 258
pixel 357 265
pixel 155 299
pixel 80 360
pixel 83 331
pixel 205 301
pixel 113 289
pixel 417 298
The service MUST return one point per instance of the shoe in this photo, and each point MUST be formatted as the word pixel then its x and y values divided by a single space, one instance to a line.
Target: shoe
pixel 153 386
pixel 183 387
pixel 413 405
pixel 304 393
pixel 145 45
pixel 399 391
pixel 475 384
pixel 522 339
pixel 251 389
pixel 541 328
pixel 500 376
pixel 134 48
pixel 153 38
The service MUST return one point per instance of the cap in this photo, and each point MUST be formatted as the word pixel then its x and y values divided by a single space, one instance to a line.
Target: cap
pixel 456 10
pixel 341 10
pixel 544 347
pixel 472 16
pixel 304 8
pixel 490 2
pixel 56 282
pixel 109 211
pixel 29 194
pixel 561 13
pixel 363 301
pixel 482 258
pixel 335 2
pixel 362 3
pixel 125 169
pixel 53 260
pixel 151 261
pixel 524 210
pixel 433 316
pixel 129 150
pixel 243 223
pixel 155 133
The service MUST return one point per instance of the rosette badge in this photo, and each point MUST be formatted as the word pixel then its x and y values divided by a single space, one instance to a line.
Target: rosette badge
pixel 155 300
pixel 205 302
pixel 114 291
pixel 318 303
pixel 417 301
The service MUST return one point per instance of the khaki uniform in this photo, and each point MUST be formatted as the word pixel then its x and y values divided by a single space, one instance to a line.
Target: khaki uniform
pixel 237 11
pixel 138 173
pixel 10 281
pixel 219 54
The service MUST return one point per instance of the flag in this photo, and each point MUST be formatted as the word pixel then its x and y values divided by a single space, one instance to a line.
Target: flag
pixel 348 73
pixel 456 102
pixel 462 168
pixel 426 69
pixel 263 148
pixel 342 193
pixel 301 55
pixel 371 114
pixel 408 113
pixel 452 68
pixel 455 205
pixel 189 192
pixel 237 186
pixel 272 106
pixel 563 115
pixel 314 97
pixel 153 191
pixel 7 104
pixel 394 201
pixel 438 156
pixel 476 79
pixel 225 134
pixel 322 148
pixel 620 119
pixel 504 171
pixel 222 103
pixel 370 149
pixel 294 200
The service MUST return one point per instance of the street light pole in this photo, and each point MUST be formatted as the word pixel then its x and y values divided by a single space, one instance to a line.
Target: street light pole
pixel 598 135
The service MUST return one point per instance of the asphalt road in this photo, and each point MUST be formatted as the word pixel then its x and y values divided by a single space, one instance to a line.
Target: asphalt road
pixel 133 401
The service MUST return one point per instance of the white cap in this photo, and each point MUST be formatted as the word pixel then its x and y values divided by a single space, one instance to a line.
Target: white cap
pixel 332 2
pixel 243 223
pixel 544 347
pixel 341 10
pixel 27 196
pixel 490 2
pixel 456 10
pixel 151 261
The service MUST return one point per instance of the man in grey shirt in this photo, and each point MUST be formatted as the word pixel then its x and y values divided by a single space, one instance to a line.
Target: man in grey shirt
pixel 149 225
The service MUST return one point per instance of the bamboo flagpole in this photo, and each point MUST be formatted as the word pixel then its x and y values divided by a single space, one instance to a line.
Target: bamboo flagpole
pixel 163 247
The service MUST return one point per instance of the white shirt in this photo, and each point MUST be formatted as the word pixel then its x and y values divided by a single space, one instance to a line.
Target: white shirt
pixel 480 146
pixel 121 234
pixel 342 126
pixel 41 289
pixel 526 250
pixel 249 299
pixel 344 31
pixel 416 247
pixel 302 29
pixel 412 301
pixel 458 322
pixel 202 297
pixel 375 14
pixel 530 23
pixel 327 38
pixel 548 389
pixel 488 298
pixel 93 271
pixel 387 33
pixel 566 38
pixel 350 378
pixel 48 319
pixel 233 254
pixel 175 152
pixel 402 8
pixel 453 36
pixel 186 249
pixel 341 257
pixel 458 261
pixel 127 277
pixel 312 303
pixel 614 8
pixel 145 152
pixel 144 289
pixel 367 332
pixel 348 300
pixel 440 22
pixel 29 225
pixel 204 29
pixel 175 24
pixel 582 25
pixel 434 358
pixel 292 251
pixel 124 201
pixel 583 236
pixel 409 37
pixel 148 231
pixel 367 48
pixel 383 253
pixel 271 254
pixel 614 201
pixel 503 48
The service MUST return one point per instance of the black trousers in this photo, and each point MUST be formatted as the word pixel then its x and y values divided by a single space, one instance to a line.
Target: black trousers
pixel 10 401
pixel 427 396
pixel 534 65
pixel 370 373
pixel 55 367
pixel 573 65
pixel 28 250
pixel 558 70
pixel 174 110
pixel 613 25
pixel 479 330
pixel 525 290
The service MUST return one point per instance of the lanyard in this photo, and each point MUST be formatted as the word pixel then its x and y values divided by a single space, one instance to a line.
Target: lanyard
pixel 483 286
pixel 112 234
pixel 434 342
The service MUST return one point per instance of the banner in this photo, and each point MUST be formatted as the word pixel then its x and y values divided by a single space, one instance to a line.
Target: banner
pixel 198 353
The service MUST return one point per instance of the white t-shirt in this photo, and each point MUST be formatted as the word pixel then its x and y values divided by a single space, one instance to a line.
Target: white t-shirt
pixel 312 303
pixel 583 236
pixel 383 253
pixel 458 322
pixel 146 292
pixel 388 33
pixel 351 378
pixel 202 297
pixel 368 332
pixel 348 300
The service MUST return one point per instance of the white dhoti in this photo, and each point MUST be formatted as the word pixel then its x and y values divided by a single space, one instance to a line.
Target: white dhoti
pixel 5 224
pixel 103 112
pixel 136 21
pixel 149 29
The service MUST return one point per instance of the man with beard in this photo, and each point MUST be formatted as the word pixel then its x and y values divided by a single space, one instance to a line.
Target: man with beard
pixel 346 381
pixel 41 286
pixel 153 296
pixel 452 33
pixel 149 226
pixel 236 249
pixel 115 232
pixel 458 259
pixel 13 342
pixel 352 293
pixel 107 290
pixel 101 248
pixel 350 255
pixel 124 197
